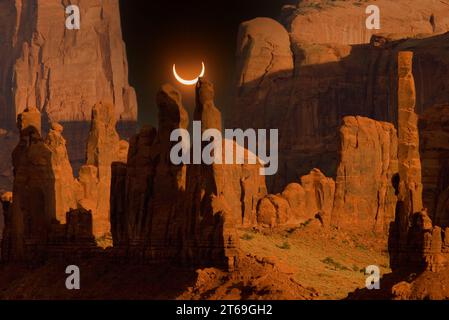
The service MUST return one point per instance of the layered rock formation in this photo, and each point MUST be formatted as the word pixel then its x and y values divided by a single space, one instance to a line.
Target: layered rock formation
pixel 337 71
pixel 343 21
pixel 150 187
pixel 378 175
pixel 297 203
pixel 43 186
pixel 434 151
pixel 62 72
pixel 410 187
pixel 6 201
pixel 414 241
pixel 103 148
pixel 365 195
pixel 220 197
pixel 264 62
pixel 51 209
pixel 162 211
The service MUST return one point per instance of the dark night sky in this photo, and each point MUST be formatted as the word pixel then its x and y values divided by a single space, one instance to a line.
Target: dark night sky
pixel 160 33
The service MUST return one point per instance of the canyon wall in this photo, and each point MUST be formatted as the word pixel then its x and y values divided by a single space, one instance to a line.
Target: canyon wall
pixel 62 72
pixel 304 77
pixel 343 21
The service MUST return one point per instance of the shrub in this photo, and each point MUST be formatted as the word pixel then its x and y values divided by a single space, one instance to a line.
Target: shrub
pixel 334 264
pixel 247 236
pixel 284 246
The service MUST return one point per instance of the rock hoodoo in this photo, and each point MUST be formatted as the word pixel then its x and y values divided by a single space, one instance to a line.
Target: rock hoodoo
pixel 170 211
pixel 50 208
pixel 154 186
pixel 61 72
pixel 219 197
pixel 310 20
pixel 415 241
pixel 43 186
pixel 103 148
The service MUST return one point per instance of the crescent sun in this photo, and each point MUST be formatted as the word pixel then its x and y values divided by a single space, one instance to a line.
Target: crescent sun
pixel 189 82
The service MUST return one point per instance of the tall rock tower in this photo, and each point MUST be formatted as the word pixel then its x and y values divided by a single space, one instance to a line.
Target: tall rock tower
pixel 409 187
pixel 63 72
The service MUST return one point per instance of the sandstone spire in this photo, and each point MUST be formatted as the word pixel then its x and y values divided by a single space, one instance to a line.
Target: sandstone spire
pixel 44 187
pixel 103 148
pixel 414 241
pixel 409 187
pixel 50 207
pixel 148 188
pixel 205 110
pixel 163 211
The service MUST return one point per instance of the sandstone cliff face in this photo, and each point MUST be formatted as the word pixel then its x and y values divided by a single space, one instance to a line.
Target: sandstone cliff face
pixel 264 60
pixel 66 186
pixel 337 71
pixel 62 72
pixel 365 196
pixel 409 187
pixel 343 21
pixel 319 192
pixel 434 150
pixel 297 203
